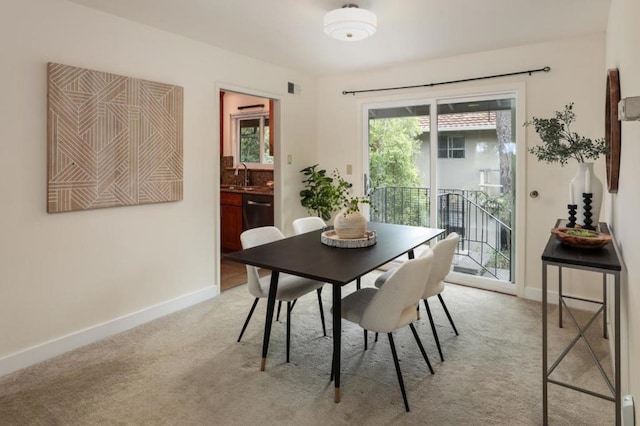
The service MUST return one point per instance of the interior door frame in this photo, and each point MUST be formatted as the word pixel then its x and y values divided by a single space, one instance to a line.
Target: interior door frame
pixel 434 98
pixel 275 111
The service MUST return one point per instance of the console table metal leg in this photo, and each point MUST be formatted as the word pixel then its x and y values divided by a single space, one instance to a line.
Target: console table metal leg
pixel 545 407
pixel 616 336
pixel 605 332
pixel 559 296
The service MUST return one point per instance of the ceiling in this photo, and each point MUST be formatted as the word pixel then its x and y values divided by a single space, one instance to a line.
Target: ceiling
pixel 290 32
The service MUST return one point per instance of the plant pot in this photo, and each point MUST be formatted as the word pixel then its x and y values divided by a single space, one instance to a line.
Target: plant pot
pixel 350 225
pixel 583 176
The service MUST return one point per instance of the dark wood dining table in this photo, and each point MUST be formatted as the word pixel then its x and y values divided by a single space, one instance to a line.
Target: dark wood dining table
pixel 306 256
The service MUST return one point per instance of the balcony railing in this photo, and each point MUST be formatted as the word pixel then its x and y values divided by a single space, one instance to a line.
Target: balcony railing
pixel 485 228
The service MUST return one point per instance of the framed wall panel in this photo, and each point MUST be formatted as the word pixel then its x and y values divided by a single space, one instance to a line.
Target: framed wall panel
pixel 111 140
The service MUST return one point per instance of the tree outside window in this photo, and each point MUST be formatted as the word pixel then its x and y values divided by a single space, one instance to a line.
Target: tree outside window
pixel 253 139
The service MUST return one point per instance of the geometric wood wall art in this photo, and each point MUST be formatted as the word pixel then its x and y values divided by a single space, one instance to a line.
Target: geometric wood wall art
pixel 111 140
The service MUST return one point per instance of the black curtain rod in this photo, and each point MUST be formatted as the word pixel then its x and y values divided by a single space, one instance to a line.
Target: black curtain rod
pixel 353 92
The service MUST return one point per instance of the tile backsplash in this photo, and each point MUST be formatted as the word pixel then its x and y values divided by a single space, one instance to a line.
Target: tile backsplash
pixel 257 177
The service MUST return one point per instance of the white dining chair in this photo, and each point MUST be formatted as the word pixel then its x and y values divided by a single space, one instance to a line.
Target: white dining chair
pixel 392 306
pixel 290 287
pixel 301 226
pixel 443 253
pixel 307 224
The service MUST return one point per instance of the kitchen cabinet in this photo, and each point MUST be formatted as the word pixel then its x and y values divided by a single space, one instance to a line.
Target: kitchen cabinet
pixel 230 220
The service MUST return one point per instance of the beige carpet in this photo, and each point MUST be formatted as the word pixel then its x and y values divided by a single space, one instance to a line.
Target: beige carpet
pixel 187 369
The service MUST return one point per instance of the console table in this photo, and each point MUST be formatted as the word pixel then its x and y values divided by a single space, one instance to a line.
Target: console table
pixel 605 261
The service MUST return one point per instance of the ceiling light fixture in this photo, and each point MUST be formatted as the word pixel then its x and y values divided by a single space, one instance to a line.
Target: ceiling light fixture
pixel 350 23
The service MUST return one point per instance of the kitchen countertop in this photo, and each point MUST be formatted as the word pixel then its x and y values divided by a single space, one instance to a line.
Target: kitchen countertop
pixel 263 190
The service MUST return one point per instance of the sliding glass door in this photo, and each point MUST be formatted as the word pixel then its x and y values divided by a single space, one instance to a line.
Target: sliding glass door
pixel 450 163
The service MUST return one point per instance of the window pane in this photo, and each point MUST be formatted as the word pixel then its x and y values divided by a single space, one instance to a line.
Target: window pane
pixel 456 146
pixel 250 140
pixel 267 159
pixel 457 142
pixel 443 147
pixel 457 153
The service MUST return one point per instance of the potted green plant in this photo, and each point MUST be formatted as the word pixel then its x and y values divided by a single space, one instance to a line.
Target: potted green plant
pixel 324 194
pixel 559 145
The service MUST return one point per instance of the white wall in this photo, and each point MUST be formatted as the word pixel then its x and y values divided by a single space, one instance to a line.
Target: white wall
pixel 576 76
pixel 464 173
pixel 63 273
pixel 623 34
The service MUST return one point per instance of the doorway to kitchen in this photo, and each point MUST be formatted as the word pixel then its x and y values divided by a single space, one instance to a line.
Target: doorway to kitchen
pixel 247 129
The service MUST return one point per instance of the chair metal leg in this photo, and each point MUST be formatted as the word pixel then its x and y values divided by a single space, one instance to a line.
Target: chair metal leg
pixel 289 307
pixel 376 339
pixel 293 304
pixel 433 329
pixel 419 342
pixel 246 322
pixel 446 311
pixel 324 328
pixel 358 284
pixel 366 339
pixel 331 378
pixel 398 372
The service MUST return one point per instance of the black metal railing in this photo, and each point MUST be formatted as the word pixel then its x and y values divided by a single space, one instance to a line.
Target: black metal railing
pixel 484 227
pixel 401 205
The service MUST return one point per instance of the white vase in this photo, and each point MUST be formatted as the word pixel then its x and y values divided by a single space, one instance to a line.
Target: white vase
pixel 350 225
pixel 584 177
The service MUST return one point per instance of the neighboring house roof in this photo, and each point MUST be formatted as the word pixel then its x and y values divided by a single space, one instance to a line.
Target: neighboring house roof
pixel 462 121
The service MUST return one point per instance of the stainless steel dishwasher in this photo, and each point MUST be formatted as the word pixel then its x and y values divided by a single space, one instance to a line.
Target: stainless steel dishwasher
pixel 257 210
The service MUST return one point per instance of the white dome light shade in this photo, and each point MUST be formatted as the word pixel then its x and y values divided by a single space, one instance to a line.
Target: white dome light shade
pixel 350 23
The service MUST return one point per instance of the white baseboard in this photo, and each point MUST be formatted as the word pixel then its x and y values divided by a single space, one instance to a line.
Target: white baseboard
pixel 55 347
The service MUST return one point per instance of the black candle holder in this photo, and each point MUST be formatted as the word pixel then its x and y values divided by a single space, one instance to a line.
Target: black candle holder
pixel 586 197
pixel 572 215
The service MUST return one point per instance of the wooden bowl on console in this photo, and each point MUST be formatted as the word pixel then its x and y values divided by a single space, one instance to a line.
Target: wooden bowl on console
pixel 581 238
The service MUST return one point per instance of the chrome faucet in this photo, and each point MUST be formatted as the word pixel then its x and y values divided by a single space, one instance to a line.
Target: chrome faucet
pixel 246 177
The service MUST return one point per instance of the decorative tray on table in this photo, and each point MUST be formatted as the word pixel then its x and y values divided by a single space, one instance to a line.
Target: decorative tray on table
pixel 581 238
pixel 330 238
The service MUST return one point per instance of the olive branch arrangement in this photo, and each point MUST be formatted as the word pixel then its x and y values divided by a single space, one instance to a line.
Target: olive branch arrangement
pixel 559 143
